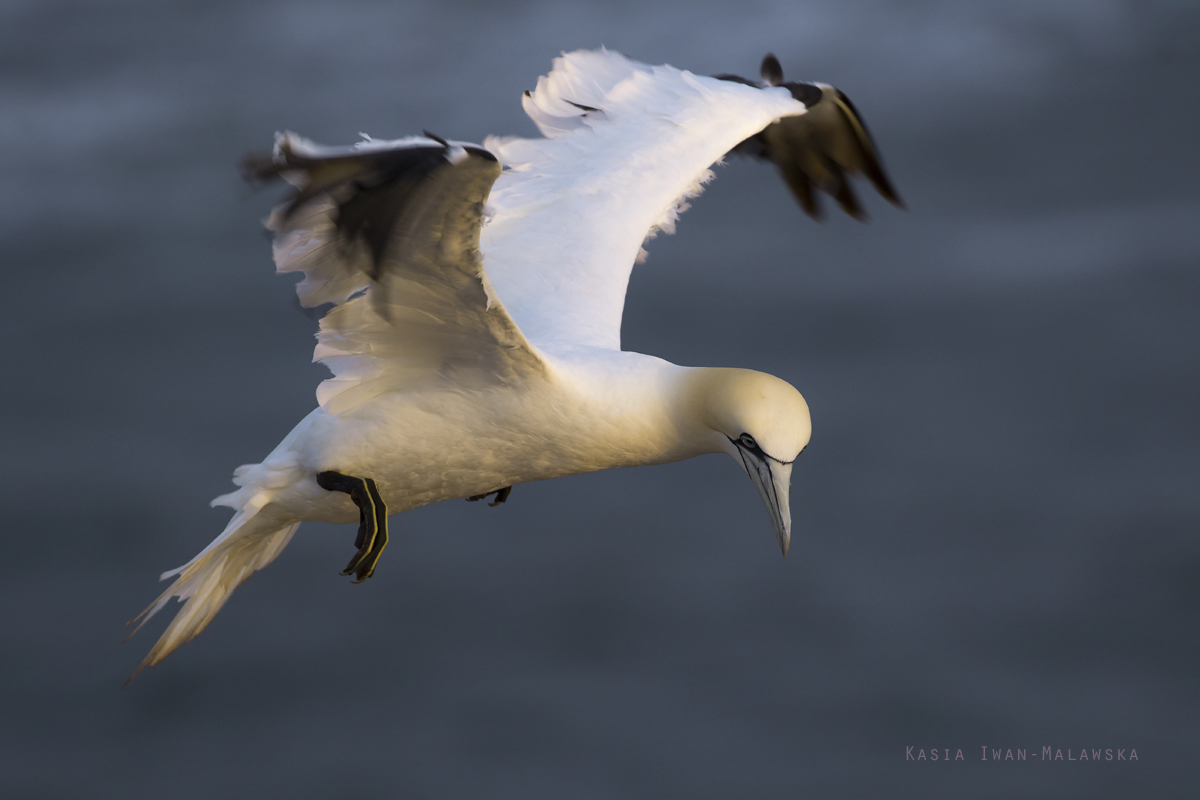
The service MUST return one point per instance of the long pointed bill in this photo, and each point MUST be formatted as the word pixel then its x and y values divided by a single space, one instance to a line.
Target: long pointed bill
pixel 773 479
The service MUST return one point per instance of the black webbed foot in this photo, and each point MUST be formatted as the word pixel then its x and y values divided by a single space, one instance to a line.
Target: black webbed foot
pixel 501 495
pixel 372 520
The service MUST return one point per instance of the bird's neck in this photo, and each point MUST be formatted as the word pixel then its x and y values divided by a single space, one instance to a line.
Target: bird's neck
pixel 631 409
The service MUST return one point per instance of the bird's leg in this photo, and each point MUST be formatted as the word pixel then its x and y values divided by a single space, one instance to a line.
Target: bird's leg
pixel 372 520
pixel 501 495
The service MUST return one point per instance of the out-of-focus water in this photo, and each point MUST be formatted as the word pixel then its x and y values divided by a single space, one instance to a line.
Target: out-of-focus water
pixel 995 525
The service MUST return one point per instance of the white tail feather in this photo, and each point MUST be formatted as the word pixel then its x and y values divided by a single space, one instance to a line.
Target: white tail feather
pixel 248 544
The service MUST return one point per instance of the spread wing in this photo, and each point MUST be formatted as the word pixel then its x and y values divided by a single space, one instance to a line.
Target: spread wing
pixel 626 146
pixel 389 233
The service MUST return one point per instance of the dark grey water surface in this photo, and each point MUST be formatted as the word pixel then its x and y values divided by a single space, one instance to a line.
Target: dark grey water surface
pixel 996 522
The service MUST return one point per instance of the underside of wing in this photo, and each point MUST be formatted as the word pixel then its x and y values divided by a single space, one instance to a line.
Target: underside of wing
pixel 626 145
pixel 389 233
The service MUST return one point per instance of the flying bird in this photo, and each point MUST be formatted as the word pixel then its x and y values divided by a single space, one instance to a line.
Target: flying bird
pixel 477 292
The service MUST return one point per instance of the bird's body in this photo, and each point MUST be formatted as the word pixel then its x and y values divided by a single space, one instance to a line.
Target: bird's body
pixel 475 334
pixel 582 415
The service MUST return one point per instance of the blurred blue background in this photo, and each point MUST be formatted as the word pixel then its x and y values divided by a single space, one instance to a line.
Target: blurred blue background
pixel 995 525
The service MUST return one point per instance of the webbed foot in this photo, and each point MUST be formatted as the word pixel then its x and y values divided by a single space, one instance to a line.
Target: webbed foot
pixel 372 520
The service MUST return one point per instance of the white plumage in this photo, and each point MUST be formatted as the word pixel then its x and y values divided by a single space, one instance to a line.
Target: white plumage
pixel 475 337
pixel 575 207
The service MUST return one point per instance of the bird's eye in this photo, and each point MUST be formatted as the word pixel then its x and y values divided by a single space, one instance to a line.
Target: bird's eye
pixel 747 440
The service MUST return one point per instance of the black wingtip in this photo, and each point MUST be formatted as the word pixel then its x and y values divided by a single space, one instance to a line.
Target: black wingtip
pixel 802 190
pixel 473 150
pixel 847 199
pixel 872 165
pixel 808 93
pixel 436 138
pixel 883 185
pixel 258 168
pixel 582 106
pixel 771 70
pixel 725 76
pixel 482 152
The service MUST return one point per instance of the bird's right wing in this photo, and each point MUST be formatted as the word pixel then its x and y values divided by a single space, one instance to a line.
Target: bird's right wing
pixel 389 233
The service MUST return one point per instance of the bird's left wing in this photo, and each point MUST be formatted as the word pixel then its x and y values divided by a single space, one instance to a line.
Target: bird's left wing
pixel 389 233
pixel 626 145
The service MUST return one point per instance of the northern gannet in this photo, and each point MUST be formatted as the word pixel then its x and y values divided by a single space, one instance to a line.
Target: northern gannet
pixel 477 295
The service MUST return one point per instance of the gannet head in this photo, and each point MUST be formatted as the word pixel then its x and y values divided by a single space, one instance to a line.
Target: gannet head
pixel 763 423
